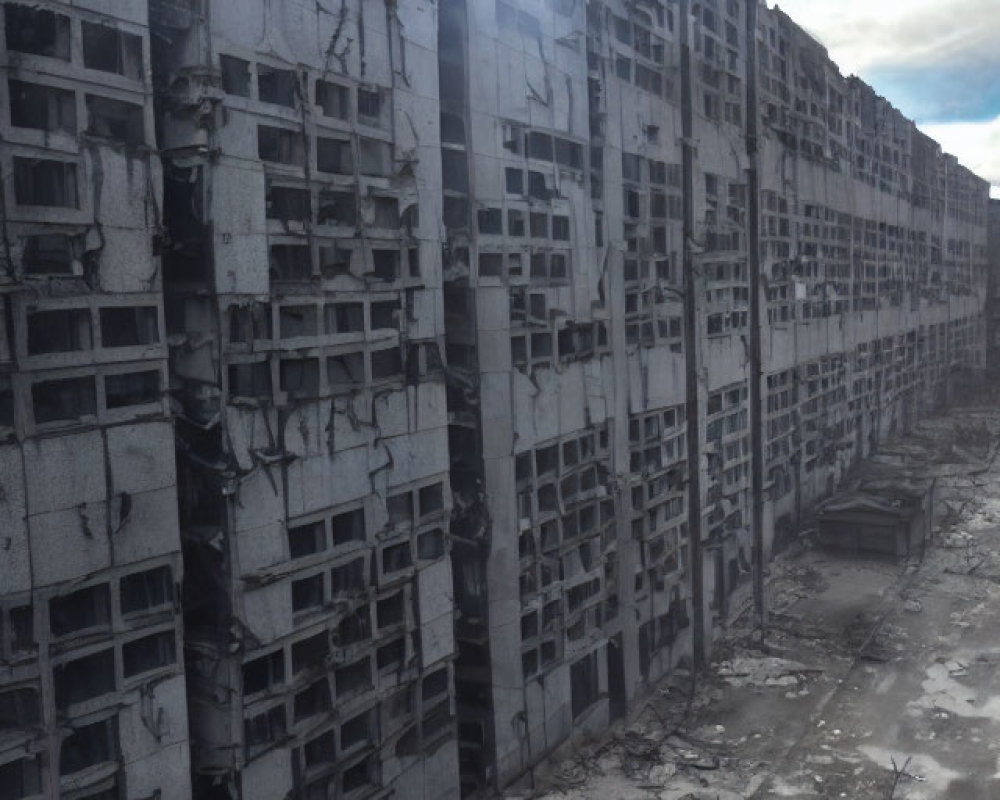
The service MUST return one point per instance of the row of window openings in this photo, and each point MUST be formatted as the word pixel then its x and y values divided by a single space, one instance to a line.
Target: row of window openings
pixel 338 318
pixel 70 330
pixel 41 32
pixel 553 534
pixel 72 399
pixel 292 204
pixel 281 87
pixel 656 457
pixel 85 746
pixel 543 265
pixel 333 156
pixel 294 262
pixel 574 453
pixel 490 221
pixel 661 206
pixel 655 425
pixel 47 108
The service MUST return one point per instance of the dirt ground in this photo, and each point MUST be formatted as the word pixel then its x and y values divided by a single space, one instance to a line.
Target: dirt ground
pixel 875 679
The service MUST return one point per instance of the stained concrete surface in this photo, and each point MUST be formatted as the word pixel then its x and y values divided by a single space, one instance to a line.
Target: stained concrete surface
pixel 875 680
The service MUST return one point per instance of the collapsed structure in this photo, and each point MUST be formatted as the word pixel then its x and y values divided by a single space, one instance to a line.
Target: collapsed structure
pixel 501 338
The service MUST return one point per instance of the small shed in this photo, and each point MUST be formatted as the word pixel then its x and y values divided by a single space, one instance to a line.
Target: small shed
pixel 887 515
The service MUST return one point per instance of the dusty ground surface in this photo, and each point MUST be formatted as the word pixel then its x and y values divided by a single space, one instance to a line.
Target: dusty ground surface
pixel 875 680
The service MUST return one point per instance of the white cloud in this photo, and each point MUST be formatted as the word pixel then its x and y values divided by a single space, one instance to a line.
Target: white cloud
pixel 862 34
pixel 975 144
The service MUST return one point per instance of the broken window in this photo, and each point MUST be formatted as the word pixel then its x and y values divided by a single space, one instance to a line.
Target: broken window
pixel 235 75
pixel 370 106
pixel 396 557
pixel 354 677
pixel 385 315
pixel 19 709
pixel 346 371
pixel 334 99
pixel 264 673
pixel 389 611
pixel 288 204
pixel 58 331
pixel 45 182
pixel 307 592
pixel 314 699
pixel 251 380
pixel 569 154
pixel 132 388
pixel 115 120
pixel 64 400
pixel 348 527
pixel 264 729
pixel 149 652
pixel 290 262
pixel 334 156
pixel 47 253
pixel 305 540
pixel 348 578
pixel 43 108
pixel 276 85
pixel 111 50
pixel 280 146
pixel 374 157
pixel 300 377
pixel 431 499
pixel 23 777
pixel 385 264
pixel 309 653
pixel 84 678
pixel 355 627
pixel 387 364
pixel 84 608
pixel 37 31
pixel 128 326
pixel 296 321
pixel 89 745
pixel 146 590
pixel 386 212
pixel 337 208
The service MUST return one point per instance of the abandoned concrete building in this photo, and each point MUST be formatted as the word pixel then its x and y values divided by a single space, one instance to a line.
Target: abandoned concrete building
pixel 392 391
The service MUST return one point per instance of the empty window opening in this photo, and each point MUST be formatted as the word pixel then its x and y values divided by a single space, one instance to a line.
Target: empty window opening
pixel 307 593
pixel 300 377
pixel 235 75
pixel 84 608
pixel 276 85
pixel 359 730
pixel 288 204
pixel 314 699
pixel 360 775
pixel 19 709
pixel 291 262
pixel 296 321
pixel 333 99
pixel 43 108
pixel 305 540
pixel 584 684
pixel 374 157
pixel 385 315
pixel 348 578
pixel 396 557
pixel 334 156
pixel 455 175
pixel 110 50
pixel 434 684
pixel 128 326
pixel 321 750
pixel 37 31
pixel 89 745
pixel 116 120
pixel 348 527
pixel 149 652
pixel 387 364
pixel 251 380
pixel 354 677
pixel 431 499
pixel 62 331
pixel 337 208
pixel 280 146
pixel 430 545
pixel 385 264
pixel 264 673
pixel 390 610
pixel 43 182
pixel 21 778
pixel 22 629
pixel 132 388
pixel 346 371
pixel 386 211
pixel 146 590
pixel 370 106
pixel 309 653
pixel 344 318
pixel 48 254
pixel 64 400
pixel 400 508
pixel 85 678
pixel 264 729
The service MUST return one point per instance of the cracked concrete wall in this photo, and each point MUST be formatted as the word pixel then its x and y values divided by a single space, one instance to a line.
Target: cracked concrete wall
pixel 308 343
pixel 88 502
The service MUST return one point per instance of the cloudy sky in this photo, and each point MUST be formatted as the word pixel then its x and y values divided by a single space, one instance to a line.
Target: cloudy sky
pixel 938 61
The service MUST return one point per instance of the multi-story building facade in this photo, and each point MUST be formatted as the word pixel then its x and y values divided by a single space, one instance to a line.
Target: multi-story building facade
pixel 499 339
pixel 304 298
pixel 92 692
